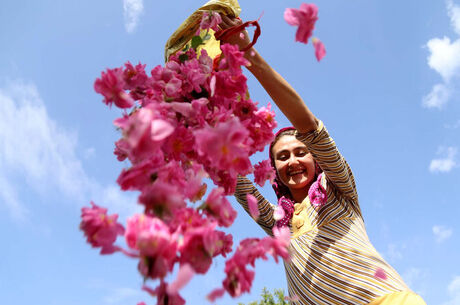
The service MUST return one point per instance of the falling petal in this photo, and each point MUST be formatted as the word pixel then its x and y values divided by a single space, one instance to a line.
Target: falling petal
pixel 320 50
pixel 216 293
pixel 184 276
pixel 212 85
pixel 253 207
pixel 380 274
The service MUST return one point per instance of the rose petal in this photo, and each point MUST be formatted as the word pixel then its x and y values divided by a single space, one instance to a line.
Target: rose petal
pixel 320 50
pixel 184 275
pixel 160 130
pixel 380 274
pixel 253 206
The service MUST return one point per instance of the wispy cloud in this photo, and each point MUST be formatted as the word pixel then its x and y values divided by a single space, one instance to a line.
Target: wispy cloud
pixel 442 233
pixel 444 58
pixel 446 163
pixel 438 97
pixel 39 154
pixel 417 280
pixel 132 10
pixel 454 291
pixel 123 295
pixel 394 252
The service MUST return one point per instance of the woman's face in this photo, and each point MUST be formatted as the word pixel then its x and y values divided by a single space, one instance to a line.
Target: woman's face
pixel 294 164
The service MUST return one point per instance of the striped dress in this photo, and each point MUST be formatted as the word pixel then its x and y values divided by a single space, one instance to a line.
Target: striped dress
pixel 332 259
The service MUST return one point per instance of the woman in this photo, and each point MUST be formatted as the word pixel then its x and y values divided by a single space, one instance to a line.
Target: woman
pixel 332 259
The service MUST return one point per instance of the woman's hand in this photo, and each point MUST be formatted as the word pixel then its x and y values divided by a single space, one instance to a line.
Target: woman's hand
pixel 240 39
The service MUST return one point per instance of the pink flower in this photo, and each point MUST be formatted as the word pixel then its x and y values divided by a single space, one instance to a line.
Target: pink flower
pixel 210 21
pixel 264 171
pixel 380 274
pixel 111 85
pixel 320 50
pixel 134 76
pixel 233 58
pixel 173 87
pixel 163 297
pixel 140 175
pixel 220 208
pixel 184 275
pixel 161 199
pixel 193 250
pixel 253 206
pixel 100 229
pixel 305 18
pixel 149 235
pixel 317 193
pixel 143 132
pixel 195 189
pixel 195 75
pixel 152 238
pixel 225 146
pixel 121 150
pixel 261 127
pixel 239 278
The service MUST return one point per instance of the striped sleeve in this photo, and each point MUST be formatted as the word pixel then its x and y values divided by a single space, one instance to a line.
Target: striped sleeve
pixel 243 187
pixel 323 149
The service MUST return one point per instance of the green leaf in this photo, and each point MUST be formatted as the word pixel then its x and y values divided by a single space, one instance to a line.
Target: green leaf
pixel 196 42
pixel 183 58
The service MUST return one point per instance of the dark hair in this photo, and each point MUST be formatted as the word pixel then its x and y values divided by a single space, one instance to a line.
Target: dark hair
pixel 282 192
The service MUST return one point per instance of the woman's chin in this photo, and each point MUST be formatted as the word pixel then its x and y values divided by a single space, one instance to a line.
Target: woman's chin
pixel 298 181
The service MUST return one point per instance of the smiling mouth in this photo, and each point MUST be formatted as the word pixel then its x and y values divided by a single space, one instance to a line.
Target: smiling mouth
pixel 296 172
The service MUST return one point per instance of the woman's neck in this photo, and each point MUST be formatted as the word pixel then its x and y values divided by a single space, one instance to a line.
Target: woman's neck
pixel 298 195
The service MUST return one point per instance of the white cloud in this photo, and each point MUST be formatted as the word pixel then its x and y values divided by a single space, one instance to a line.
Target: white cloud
pixel 442 233
pixel 444 58
pixel 132 10
pixel 454 291
pixel 437 98
pixel 39 154
pixel 445 164
pixel 454 14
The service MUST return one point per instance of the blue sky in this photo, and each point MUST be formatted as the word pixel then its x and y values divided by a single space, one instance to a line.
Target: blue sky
pixel 388 91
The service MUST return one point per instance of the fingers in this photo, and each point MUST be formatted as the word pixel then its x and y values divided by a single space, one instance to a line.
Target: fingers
pixel 228 22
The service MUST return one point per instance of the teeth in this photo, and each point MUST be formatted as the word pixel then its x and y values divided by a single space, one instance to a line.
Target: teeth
pixel 295 173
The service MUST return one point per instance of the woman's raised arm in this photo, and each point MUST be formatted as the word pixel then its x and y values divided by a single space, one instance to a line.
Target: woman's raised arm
pixel 284 96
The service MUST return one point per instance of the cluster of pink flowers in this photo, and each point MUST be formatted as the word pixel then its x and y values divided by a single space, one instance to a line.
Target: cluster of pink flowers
pixel 185 121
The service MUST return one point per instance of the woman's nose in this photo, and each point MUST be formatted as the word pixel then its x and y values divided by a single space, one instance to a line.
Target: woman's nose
pixel 293 160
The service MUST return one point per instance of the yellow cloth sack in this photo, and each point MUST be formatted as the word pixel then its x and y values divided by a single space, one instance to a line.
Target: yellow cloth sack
pixel 399 298
pixel 183 35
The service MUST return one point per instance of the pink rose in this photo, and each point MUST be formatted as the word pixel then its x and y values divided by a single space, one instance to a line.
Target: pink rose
pixel 305 18
pixel 100 229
